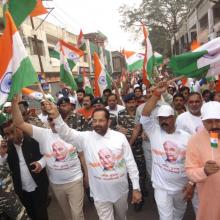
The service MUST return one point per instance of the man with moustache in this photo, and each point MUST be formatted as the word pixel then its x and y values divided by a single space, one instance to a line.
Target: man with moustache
pixel 190 121
pixel 171 186
pixel 203 162
pixel 110 199
pixel 178 104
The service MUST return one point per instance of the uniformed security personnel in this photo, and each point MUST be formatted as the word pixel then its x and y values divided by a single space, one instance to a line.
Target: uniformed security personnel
pixel 126 123
pixel 72 119
pixel 28 116
pixel 10 205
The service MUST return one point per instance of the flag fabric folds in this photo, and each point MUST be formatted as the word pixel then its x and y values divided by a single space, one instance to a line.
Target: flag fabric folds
pixel 23 8
pixel 200 63
pixel 134 60
pixel 39 9
pixel 32 94
pixel 102 79
pixel 158 59
pixel 86 83
pixel 71 53
pixel 148 64
pixel 16 70
pixel 81 41
pixel 66 75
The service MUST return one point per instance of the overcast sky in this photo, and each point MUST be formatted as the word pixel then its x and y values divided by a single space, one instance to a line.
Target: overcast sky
pixel 93 15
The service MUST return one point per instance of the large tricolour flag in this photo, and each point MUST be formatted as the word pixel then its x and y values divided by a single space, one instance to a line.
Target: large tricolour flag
pixel 71 53
pixel 134 60
pixel 20 9
pixel 16 70
pixel 201 62
pixel 102 79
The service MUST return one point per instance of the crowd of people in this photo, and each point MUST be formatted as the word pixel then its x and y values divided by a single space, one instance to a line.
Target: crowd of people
pixel 134 137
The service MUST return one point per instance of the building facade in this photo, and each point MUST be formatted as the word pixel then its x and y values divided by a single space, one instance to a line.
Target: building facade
pixel 201 24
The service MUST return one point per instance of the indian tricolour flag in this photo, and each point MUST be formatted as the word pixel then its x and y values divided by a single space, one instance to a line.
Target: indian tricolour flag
pixel 202 62
pixel 102 79
pixel 21 9
pixel 214 139
pixel 32 94
pixel 71 53
pixel 134 60
pixel 86 83
pixel 148 65
pixel 16 70
pixel 66 75
pixel 81 44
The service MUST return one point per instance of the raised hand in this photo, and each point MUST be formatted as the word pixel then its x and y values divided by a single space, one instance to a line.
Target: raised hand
pixel 51 110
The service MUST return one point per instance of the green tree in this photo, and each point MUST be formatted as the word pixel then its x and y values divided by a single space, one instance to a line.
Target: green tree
pixel 162 17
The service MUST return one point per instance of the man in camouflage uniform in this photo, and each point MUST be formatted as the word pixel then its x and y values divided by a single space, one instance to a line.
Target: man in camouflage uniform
pixel 126 124
pixel 10 205
pixel 29 116
pixel 72 119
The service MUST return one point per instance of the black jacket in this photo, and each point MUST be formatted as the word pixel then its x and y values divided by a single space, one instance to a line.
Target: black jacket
pixel 31 152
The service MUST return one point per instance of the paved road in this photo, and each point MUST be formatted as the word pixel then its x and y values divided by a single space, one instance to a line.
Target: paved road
pixel 149 211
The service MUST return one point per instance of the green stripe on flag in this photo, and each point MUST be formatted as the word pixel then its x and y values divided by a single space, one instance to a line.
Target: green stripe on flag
pixel 23 77
pixel 20 9
pixel 67 78
pixel 186 64
pixel 138 65
pixel 54 54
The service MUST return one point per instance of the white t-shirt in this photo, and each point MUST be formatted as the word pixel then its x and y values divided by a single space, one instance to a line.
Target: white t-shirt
pixel 189 123
pixel 168 156
pixel 116 110
pixel 108 159
pixel 62 162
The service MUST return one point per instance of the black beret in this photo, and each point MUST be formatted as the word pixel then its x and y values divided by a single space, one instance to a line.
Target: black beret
pixel 97 100
pixel 129 97
pixel 63 100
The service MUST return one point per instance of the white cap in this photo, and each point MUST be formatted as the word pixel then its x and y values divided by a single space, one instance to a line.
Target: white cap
pixel 136 85
pixel 72 100
pixel 7 104
pixel 211 110
pixel 165 111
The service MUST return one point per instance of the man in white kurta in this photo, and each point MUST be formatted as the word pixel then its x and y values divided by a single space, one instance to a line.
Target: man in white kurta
pixel 108 158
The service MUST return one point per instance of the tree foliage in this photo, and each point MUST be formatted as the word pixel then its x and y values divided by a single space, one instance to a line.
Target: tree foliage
pixel 161 16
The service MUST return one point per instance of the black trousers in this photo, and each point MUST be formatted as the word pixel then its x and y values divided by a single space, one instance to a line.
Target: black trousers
pixel 36 204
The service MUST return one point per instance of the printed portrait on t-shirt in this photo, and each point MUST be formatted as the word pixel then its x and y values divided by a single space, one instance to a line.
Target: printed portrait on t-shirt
pixel 60 151
pixel 173 152
pixel 107 159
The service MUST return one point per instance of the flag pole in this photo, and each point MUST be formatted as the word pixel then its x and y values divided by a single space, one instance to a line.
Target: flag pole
pixel 36 45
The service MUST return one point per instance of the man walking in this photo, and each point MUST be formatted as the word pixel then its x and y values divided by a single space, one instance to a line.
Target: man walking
pixel 108 158
pixel 168 146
